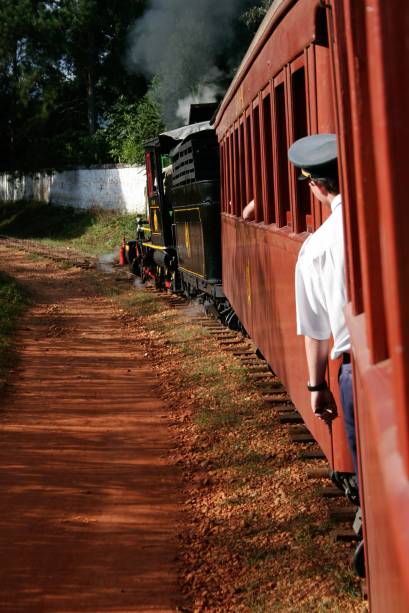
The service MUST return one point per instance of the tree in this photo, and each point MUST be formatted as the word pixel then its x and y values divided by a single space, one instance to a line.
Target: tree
pixel 254 15
pixel 130 125
pixel 61 69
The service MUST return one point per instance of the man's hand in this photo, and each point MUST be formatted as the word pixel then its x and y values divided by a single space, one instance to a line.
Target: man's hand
pixel 323 405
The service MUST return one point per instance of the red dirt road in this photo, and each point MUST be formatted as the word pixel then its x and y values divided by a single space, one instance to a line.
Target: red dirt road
pixel 89 496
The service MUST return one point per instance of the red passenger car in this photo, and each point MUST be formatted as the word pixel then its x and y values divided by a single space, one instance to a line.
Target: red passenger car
pixel 282 91
pixel 335 66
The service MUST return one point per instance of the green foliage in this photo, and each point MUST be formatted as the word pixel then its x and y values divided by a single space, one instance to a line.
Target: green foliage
pixel 130 125
pixel 254 15
pixel 61 69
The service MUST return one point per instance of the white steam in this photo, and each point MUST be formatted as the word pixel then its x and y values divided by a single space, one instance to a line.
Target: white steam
pixel 205 93
pixel 180 42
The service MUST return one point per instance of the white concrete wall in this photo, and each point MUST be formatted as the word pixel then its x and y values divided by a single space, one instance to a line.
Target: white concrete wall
pixel 114 188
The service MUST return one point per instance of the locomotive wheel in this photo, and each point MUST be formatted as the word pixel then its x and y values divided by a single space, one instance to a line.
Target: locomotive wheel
pixel 358 560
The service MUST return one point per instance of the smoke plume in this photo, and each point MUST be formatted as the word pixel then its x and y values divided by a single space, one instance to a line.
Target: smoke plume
pixel 180 43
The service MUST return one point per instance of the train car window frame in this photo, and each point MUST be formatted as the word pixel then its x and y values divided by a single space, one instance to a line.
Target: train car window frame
pixel 256 161
pixel 248 156
pixel 231 177
pixel 299 122
pixel 226 177
pixel 267 146
pixel 281 164
pixel 222 191
pixel 310 55
pixel 238 208
pixel 242 161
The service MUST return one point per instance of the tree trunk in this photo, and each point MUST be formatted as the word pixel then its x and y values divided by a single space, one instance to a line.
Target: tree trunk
pixel 92 116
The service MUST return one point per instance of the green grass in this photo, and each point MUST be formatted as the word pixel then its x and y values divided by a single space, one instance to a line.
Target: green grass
pixel 90 231
pixel 13 300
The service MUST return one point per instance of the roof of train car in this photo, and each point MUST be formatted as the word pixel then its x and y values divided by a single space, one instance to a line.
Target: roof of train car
pixel 275 12
pixel 169 139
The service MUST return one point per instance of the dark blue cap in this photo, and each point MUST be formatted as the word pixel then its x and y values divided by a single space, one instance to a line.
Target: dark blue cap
pixel 316 155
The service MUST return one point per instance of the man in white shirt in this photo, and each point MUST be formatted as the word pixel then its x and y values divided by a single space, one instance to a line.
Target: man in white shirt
pixel 320 290
pixel 320 282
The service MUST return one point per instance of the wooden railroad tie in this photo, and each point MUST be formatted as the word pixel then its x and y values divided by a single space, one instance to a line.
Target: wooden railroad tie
pixel 330 492
pixel 289 418
pixel 270 388
pixel 220 336
pixel 298 429
pixel 259 376
pixel 290 408
pixel 287 410
pixel 245 350
pixel 319 473
pixel 301 437
pixel 342 514
pixel 345 535
pixel 312 454
pixel 233 341
pixel 274 399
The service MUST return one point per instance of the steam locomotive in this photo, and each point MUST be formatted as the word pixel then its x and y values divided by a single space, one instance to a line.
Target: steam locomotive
pixel 313 67
pixel 181 248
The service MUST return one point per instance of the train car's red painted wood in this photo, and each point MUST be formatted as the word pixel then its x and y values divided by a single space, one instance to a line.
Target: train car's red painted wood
pixel 373 101
pixel 264 258
pixel 384 484
pixel 369 53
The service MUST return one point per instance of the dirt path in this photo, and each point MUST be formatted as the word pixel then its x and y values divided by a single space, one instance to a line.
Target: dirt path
pixel 89 499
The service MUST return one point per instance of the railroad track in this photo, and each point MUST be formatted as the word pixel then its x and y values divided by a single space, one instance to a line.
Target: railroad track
pixel 52 253
pixel 276 396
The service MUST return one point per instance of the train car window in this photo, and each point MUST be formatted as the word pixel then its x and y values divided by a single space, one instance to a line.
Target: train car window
pixel 230 175
pixel 321 30
pixel 226 177
pixel 242 155
pixel 222 191
pixel 303 217
pixel 256 152
pixel 249 161
pixel 237 185
pixel 283 191
pixel 267 134
pixel 233 208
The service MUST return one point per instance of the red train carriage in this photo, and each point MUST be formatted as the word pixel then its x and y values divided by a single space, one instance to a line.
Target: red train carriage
pixel 282 91
pixel 371 53
pixel 324 67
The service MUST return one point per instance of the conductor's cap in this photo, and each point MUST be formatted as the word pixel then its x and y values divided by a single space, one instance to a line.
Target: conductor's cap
pixel 316 155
